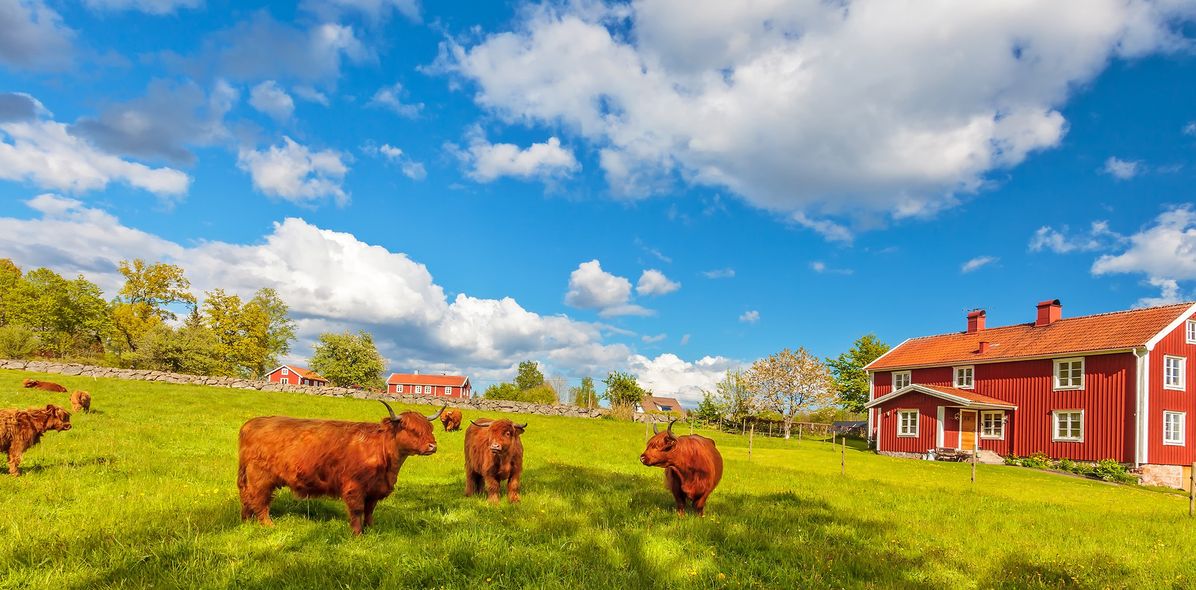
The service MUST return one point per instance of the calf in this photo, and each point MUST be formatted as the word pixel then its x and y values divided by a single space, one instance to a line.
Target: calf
pixel 493 452
pixel 45 385
pixel 356 461
pixel 451 419
pixel 81 400
pixel 21 429
pixel 692 466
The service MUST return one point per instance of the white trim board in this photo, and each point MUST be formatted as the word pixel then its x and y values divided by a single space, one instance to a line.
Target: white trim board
pixel 962 401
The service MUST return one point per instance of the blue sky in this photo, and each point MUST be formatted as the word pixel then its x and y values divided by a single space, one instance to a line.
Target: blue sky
pixel 479 183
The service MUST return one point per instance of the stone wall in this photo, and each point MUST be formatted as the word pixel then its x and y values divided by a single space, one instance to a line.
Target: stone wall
pixel 1168 476
pixel 490 405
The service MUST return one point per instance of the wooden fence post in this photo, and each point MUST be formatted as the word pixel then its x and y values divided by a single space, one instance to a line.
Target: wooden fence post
pixel 799 432
pixel 691 425
pixel 1192 491
pixel 975 452
pixel 647 430
pixel 770 429
pixel 843 456
pixel 751 436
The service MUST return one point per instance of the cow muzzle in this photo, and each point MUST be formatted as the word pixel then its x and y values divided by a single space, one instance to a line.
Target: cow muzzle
pixel 496 449
pixel 644 459
pixel 431 449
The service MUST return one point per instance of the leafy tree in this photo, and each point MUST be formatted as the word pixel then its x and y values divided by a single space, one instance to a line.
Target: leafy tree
pixel 540 394
pixel 506 391
pixel 280 328
pixel 623 390
pixel 144 299
pixel 65 315
pixel 584 395
pixel 10 275
pixel 708 410
pixel 348 359
pixel 191 349
pixel 790 382
pixel 529 375
pixel 733 397
pixel 240 331
pixel 17 342
pixel 850 377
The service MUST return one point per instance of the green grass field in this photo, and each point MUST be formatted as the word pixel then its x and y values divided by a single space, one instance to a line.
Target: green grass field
pixel 142 493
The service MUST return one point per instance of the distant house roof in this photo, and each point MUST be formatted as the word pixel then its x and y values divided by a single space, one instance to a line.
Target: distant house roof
pixel 1119 330
pixel 304 372
pixel 661 404
pixel 418 379
pixel 962 397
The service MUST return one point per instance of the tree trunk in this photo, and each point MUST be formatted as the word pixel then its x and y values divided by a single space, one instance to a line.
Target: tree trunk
pixel 788 426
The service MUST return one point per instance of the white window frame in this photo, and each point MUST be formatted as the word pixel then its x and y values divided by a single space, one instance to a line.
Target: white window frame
pixel 1182 427
pixel 419 389
pixel 999 432
pixel 901 423
pixel 1190 331
pixel 1183 373
pixel 1055 426
pixel 971 376
pixel 448 390
pixel 398 388
pixel 285 371
pixel 908 379
pixel 285 380
pixel 1055 374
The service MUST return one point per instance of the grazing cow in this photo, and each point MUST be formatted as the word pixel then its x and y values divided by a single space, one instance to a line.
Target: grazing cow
pixel 81 400
pixel 45 385
pixel 451 419
pixel 493 452
pixel 21 429
pixel 355 461
pixel 692 466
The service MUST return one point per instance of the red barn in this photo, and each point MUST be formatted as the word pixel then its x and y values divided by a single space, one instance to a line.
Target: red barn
pixel 1112 385
pixel 295 375
pixel 440 385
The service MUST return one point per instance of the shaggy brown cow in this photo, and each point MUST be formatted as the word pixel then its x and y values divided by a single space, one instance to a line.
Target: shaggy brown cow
pixel 692 466
pixel 46 385
pixel 81 400
pixel 355 461
pixel 21 429
pixel 451 419
pixel 493 452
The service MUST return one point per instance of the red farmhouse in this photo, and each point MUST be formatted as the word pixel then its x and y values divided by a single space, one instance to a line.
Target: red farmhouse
pixel 295 375
pixel 441 385
pixel 1115 385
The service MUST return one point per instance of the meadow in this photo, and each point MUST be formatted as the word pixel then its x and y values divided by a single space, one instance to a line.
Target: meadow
pixel 141 493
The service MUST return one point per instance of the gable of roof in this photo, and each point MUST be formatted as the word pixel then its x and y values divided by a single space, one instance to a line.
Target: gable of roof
pixel 963 397
pixel 417 379
pixel 654 402
pixel 1119 330
pixel 304 372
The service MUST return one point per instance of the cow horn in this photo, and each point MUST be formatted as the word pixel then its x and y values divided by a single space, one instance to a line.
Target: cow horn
pixel 486 425
pixel 388 409
pixel 433 417
pixel 655 430
pixel 670 430
pixel 521 426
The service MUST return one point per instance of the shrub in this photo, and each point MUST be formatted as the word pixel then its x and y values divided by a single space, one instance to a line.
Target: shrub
pixel 1111 470
pixel 17 342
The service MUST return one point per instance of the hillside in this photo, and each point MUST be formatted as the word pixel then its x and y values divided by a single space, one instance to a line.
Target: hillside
pixel 142 493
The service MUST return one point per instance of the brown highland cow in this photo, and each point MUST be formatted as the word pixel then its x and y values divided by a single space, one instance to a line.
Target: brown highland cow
pixel 451 419
pixel 356 461
pixel 493 452
pixel 22 429
pixel 44 385
pixel 692 466
pixel 81 400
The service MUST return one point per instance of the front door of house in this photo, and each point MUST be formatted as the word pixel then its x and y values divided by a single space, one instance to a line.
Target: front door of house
pixel 967 430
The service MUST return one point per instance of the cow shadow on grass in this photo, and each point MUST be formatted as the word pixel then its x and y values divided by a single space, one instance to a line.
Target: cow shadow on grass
pixel 71 463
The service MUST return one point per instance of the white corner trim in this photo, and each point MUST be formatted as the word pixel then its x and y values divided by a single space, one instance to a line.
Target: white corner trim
pixel 938 434
pixel 1183 317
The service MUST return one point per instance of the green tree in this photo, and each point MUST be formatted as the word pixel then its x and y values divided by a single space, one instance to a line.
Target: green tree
pixel 144 300
pixel 65 315
pixel 240 331
pixel 529 375
pixel 505 391
pixel 280 328
pixel 540 394
pixel 733 397
pixel 584 395
pixel 192 349
pixel 10 275
pixel 17 342
pixel 708 410
pixel 623 390
pixel 348 359
pixel 851 379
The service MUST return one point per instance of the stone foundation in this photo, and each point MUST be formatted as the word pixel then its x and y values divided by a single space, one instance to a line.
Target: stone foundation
pixel 491 405
pixel 1170 476
pixel 902 455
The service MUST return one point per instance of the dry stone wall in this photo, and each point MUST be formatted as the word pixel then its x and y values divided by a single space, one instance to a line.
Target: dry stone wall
pixel 490 405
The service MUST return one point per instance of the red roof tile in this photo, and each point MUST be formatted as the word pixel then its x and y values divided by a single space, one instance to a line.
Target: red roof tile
pixel 416 379
pixel 1106 331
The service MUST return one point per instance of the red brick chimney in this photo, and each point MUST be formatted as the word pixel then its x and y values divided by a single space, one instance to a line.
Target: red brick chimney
pixel 976 321
pixel 1049 312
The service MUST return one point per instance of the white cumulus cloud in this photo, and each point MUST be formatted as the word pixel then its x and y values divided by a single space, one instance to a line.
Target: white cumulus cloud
pixel 671 376
pixel 1122 169
pixel 295 173
pixel 269 98
pixel 750 317
pixel 590 287
pixel 34 36
pixel 653 282
pixel 490 161
pixel 977 263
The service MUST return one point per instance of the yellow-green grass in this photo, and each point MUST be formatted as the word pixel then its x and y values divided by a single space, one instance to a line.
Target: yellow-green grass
pixel 142 493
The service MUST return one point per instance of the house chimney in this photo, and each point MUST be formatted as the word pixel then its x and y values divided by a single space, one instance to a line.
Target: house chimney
pixel 983 348
pixel 976 321
pixel 1049 312
pixel 416 372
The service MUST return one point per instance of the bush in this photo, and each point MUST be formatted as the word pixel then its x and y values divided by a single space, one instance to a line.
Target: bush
pixel 17 342
pixel 1110 470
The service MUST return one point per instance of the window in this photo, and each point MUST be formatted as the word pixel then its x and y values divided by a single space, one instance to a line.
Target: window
pixel 1191 331
pixel 992 425
pixel 900 379
pixel 286 380
pixel 907 423
pixel 1069 426
pixel 286 371
pixel 399 388
pixel 964 377
pixel 419 389
pixel 1069 374
pixel 664 408
pixel 448 390
pixel 1174 372
pixel 1173 428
